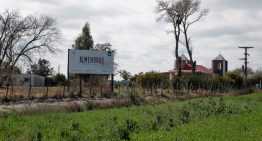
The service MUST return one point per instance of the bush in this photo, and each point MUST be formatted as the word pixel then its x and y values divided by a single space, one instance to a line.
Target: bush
pixel 109 95
pixel 134 98
pixel 126 128
pixel 194 82
pixel 91 105
pixel 234 79
pixel 177 83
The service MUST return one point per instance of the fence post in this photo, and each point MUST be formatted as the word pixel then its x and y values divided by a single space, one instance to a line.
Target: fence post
pixel 30 86
pixel 80 86
pixel 112 83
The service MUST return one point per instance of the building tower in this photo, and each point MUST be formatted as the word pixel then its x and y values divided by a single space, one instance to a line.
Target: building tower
pixel 184 61
pixel 219 65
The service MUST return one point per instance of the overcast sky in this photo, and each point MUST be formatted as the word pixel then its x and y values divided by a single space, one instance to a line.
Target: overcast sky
pixel 143 44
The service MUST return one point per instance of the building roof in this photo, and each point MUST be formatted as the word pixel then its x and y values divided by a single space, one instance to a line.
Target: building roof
pixel 183 57
pixel 199 69
pixel 220 57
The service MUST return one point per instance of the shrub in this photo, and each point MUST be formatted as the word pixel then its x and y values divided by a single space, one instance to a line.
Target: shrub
pixel 125 129
pixel 91 105
pixel 194 82
pixel 134 98
pixel 109 94
pixel 185 115
pixel 57 95
pixel 176 83
pixel 75 126
pixel 234 79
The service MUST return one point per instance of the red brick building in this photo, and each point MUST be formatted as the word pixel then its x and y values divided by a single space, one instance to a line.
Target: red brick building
pixel 219 67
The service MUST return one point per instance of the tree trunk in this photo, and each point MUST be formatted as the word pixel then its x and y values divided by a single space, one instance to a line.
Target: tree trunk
pixel 177 34
pixel 64 91
pixel 193 66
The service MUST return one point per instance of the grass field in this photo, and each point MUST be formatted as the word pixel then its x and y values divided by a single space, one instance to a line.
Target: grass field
pixel 227 118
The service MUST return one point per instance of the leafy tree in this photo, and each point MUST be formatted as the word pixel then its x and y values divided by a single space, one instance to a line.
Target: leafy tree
pixel 42 68
pixel 234 79
pixel 152 80
pixel 240 71
pixel 84 41
pixel 218 82
pixel 256 79
pixel 137 78
pixel 126 76
pixel 176 82
pixel 60 79
pixel 194 82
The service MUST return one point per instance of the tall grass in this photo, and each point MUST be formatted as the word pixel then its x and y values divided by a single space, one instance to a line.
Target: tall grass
pixel 212 118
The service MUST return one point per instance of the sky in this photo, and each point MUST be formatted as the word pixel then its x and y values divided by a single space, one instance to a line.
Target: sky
pixel 142 43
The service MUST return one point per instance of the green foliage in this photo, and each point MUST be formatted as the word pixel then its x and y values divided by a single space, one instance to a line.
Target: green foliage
pixel 151 80
pixel 49 81
pixel 125 74
pixel 42 68
pixel 109 94
pixel 194 82
pixel 256 79
pixel 213 118
pixel 60 79
pixel 135 99
pixel 85 40
pixel 218 83
pixel 126 128
pixel 177 83
pixel 234 79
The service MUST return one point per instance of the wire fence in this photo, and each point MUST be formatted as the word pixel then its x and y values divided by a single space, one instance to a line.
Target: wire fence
pixel 99 90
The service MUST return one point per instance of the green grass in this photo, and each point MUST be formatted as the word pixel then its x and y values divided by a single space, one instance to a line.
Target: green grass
pixel 228 118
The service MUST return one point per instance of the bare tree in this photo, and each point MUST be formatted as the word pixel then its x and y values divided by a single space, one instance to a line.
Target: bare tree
pixel 191 13
pixel 170 12
pixel 23 37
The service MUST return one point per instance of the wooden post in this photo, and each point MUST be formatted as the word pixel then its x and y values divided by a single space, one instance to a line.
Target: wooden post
pixel 64 90
pixel 7 88
pixel 80 86
pixel 112 83
pixel 30 86
pixel 68 79
pixel 101 85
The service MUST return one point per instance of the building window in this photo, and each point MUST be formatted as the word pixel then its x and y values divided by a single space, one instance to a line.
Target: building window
pixel 26 79
pixel 219 66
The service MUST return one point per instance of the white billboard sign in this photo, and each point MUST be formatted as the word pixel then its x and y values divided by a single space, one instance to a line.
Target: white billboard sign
pixel 90 62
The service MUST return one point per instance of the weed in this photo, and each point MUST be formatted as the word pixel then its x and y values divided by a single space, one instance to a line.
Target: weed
pixel 75 126
pixel 91 105
pixel 125 129
pixel 134 98
pixel 39 136
pixel 109 95
pixel 184 115
pixel 64 133
pixel 57 95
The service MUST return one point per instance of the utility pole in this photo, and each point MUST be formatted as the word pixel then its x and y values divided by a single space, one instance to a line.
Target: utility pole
pixel 260 79
pixel 246 62
pixel 58 69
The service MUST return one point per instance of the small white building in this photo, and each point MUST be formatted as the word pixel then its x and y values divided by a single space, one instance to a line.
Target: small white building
pixel 26 79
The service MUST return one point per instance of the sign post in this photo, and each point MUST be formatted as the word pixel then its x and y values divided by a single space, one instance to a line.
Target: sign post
pixel 90 62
